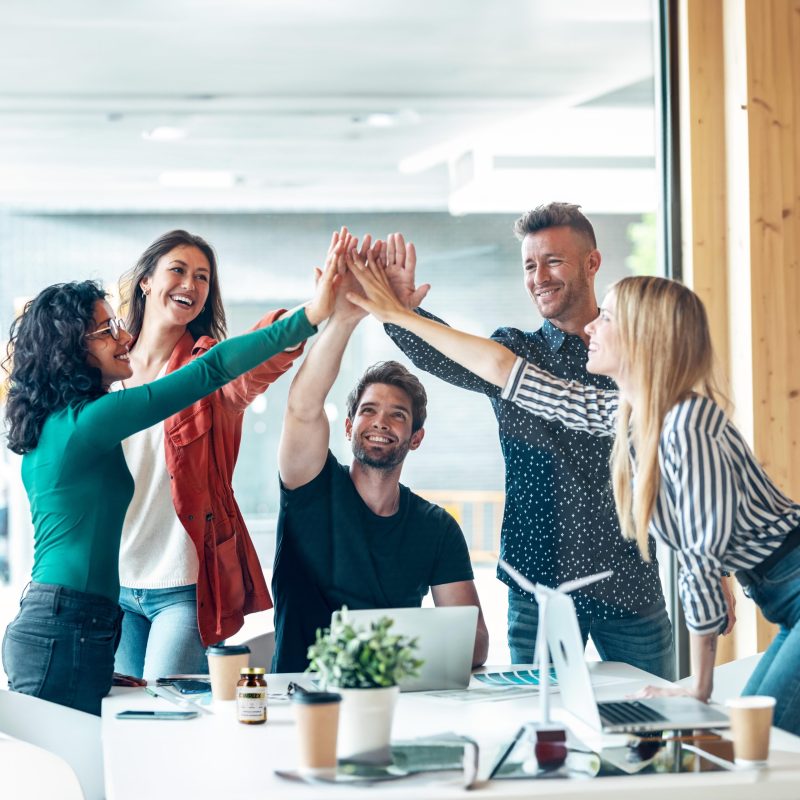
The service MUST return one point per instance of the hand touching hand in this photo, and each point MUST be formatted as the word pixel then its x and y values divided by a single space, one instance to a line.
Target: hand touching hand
pixel 400 261
pixel 377 297
pixel 343 308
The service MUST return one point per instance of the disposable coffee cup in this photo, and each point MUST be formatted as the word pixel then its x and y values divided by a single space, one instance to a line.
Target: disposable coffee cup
pixel 224 665
pixel 317 717
pixel 751 720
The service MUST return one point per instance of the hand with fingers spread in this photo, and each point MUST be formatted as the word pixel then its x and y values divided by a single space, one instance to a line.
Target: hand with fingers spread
pixel 377 295
pixel 343 308
pixel 321 305
pixel 400 262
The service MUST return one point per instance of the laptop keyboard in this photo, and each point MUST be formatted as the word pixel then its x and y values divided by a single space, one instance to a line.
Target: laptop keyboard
pixel 628 713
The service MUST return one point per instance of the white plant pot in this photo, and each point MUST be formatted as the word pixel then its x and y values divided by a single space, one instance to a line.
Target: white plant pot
pixel 365 723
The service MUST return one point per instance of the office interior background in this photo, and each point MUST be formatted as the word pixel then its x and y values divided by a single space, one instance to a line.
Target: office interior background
pixel 263 126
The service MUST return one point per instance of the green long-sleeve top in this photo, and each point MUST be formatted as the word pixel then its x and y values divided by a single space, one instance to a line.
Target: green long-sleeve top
pixel 77 481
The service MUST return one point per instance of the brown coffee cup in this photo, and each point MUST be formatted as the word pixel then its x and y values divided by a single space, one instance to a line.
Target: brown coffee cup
pixel 751 720
pixel 224 665
pixel 317 717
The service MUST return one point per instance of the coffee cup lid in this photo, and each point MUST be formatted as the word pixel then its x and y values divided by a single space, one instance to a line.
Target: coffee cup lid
pixel 315 698
pixel 227 650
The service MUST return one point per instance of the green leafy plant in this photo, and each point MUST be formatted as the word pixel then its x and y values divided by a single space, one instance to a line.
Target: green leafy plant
pixel 352 656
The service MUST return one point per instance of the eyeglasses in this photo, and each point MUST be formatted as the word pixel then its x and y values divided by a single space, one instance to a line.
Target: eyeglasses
pixel 114 327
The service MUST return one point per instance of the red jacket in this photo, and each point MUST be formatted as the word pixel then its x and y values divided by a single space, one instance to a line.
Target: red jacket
pixel 202 444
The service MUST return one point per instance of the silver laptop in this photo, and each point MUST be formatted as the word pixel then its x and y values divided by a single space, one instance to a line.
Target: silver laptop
pixel 445 637
pixel 623 716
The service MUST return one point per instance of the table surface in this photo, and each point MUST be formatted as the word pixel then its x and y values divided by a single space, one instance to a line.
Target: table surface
pixel 215 756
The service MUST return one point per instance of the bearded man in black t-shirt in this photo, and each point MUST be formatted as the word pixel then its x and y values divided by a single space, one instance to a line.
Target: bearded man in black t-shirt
pixel 354 535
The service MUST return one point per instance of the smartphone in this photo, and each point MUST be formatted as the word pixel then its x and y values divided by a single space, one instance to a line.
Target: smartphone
pixel 156 714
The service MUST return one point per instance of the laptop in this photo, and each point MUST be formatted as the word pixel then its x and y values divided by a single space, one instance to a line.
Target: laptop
pixel 445 638
pixel 623 716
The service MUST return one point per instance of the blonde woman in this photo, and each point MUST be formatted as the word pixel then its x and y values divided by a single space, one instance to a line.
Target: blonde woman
pixel 698 487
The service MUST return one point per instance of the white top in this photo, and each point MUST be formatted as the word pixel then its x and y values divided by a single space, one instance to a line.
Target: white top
pixel 155 550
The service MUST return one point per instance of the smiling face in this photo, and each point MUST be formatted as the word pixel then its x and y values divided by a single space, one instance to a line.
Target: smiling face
pixel 177 289
pixel 380 430
pixel 605 351
pixel 106 353
pixel 559 266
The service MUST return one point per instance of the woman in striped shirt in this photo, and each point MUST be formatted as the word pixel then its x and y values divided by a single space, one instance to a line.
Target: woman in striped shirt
pixel 680 469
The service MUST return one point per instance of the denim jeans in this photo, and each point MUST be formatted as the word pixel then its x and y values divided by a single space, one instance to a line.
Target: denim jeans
pixel 60 646
pixel 643 641
pixel 777 593
pixel 159 633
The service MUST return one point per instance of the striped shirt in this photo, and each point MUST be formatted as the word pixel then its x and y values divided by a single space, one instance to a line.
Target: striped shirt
pixel 716 507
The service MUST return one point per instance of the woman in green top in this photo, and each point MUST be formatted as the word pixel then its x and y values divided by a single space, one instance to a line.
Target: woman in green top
pixel 67 350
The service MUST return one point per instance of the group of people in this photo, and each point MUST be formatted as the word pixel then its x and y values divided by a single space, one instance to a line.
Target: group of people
pixel 612 429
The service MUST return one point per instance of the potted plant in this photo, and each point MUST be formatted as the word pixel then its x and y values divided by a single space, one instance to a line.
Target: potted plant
pixel 363 664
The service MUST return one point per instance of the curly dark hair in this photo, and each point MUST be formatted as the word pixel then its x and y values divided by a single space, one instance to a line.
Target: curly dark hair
pixel 209 322
pixel 394 374
pixel 47 359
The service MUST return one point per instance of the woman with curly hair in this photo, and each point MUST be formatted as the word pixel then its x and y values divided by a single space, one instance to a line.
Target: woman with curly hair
pixel 680 469
pixel 67 349
pixel 187 581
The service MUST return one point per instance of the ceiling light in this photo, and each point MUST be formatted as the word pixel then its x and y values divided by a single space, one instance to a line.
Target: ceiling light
pixel 164 133
pixel 197 179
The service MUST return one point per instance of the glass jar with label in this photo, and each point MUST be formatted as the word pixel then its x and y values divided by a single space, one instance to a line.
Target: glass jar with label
pixel 251 696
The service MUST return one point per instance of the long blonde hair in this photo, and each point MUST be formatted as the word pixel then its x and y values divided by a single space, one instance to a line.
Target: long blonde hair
pixel 666 355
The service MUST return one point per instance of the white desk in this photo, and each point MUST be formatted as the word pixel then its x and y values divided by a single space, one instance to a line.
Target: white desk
pixel 214 756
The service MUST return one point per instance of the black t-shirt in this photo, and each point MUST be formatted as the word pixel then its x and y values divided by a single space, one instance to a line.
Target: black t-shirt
pixel 333 551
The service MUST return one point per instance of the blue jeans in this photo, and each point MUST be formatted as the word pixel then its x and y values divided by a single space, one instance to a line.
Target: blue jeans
pixel 777 593
pixel 60 646
pixel 643 641
pixel 159 633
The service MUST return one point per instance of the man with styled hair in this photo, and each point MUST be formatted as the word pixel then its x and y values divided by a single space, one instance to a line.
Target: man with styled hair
pixel 355 535
pixel 559 521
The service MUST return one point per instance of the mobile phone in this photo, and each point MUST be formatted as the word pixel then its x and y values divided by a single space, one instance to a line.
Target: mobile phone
pixel 156 715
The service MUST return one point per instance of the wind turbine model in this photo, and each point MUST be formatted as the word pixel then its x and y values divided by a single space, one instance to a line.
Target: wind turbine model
pixel 550 748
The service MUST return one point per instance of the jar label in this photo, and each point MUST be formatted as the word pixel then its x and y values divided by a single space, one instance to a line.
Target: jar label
pixel 251 703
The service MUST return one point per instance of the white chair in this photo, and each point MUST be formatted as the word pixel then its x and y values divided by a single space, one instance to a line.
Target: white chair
pixel 262 648
pixel 33 773
pixel 72 735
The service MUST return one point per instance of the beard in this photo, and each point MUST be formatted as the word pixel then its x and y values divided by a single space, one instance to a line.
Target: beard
pixel 387 460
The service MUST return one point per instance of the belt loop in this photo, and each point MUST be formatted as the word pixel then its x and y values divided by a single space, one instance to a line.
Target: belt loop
pixel 57 599
pixel 24 592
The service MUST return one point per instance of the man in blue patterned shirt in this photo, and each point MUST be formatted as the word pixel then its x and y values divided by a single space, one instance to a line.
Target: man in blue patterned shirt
pixel 559 521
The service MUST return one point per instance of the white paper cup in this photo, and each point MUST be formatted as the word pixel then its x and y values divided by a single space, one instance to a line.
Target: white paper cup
pixel 751 720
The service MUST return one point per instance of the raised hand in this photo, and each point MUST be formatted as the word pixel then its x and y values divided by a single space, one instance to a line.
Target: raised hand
pixel 400 262
pixel 321 305
pixel 343 308
pixel 378 297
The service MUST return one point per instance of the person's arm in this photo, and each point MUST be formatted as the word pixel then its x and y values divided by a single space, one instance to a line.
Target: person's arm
pixel 484 357
pixel 105 422
pixel 574 404
pixel 399 261
pixel 306 431
pixel 464 593
pixel 702 482
pixel 239 393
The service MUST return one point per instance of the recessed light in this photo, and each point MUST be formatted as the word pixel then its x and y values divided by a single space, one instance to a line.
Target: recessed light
pixel 197 179
pixel 164 133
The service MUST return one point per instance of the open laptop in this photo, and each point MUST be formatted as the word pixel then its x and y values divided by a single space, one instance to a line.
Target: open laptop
pixel 623 716
pixel 445 637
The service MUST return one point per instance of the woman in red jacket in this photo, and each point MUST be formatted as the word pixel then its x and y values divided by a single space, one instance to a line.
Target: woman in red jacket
pixel 188 568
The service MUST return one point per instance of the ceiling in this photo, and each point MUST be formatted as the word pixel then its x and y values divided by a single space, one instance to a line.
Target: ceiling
pixel 314 105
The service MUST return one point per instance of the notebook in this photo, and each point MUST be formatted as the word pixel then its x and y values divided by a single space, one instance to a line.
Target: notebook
pixel 445 637
pixel 655 714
